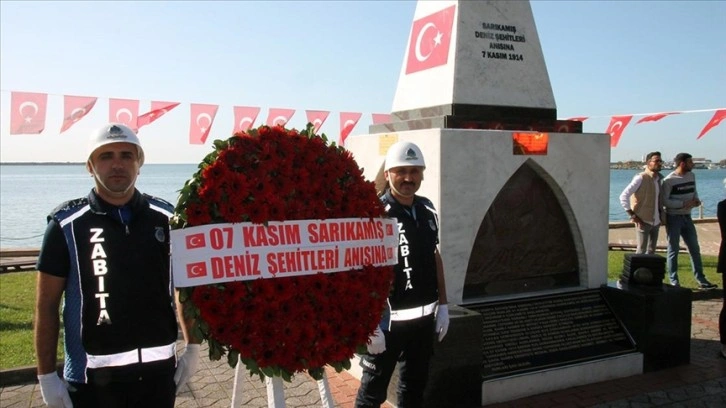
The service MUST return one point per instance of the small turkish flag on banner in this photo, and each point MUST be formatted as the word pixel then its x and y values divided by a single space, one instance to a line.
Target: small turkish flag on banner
pixel 715 121
pixel 348 120
pixel 379 118
pixel 616 127
pixel 194 241
pixel 317 118
pixel 123 111
pixel 656 117
pixel 278 116
pixel 244 118
pixel 578 118
pixel 196 270
pixel 200 122
pixel 158 109
pixel 75 108
pixel 430 40
pixel 27 113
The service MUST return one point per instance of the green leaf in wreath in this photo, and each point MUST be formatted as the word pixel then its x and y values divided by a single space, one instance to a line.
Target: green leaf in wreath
pixel 317 373
pixel 268 371
pixel 233 358
pixel 215 350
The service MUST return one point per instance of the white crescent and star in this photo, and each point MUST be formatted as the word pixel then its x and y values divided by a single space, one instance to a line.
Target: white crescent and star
pixel 124 111
pixel 347 123
pixel 77 114
pixel 209 121
pixel 25 104
pixel 195 241
pixel 279 120
pixel 317 123
pixel 417 47
pixel 615 127
pixel 244 120
pixel 195 270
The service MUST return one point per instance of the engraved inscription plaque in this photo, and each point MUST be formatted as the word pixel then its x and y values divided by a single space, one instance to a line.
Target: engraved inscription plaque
pixel 548 331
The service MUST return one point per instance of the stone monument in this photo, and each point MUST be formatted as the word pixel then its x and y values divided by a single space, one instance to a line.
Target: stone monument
pixel 522 200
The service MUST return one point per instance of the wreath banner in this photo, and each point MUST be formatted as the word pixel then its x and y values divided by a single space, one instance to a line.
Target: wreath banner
pixel 262 179
pixel 217 253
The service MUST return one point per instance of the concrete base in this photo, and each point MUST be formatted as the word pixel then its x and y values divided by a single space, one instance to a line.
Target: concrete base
pixel 524 385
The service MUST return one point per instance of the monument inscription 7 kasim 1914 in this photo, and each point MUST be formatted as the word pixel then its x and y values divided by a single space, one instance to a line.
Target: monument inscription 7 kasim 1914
pixel 500 41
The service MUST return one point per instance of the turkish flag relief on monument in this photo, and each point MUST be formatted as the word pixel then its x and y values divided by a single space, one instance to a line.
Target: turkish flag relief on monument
pixel 430 40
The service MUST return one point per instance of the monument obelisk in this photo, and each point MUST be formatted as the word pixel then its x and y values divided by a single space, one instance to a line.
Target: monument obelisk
pixel 522 200
pixel 474 64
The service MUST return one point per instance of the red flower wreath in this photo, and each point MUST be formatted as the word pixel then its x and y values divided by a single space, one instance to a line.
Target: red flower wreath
pixel 281 326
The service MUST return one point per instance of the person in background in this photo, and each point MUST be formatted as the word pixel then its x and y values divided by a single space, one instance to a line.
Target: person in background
pixel 108 256
pixel 680 196
pixel 641 200
pixel 417 304
pixel 721 268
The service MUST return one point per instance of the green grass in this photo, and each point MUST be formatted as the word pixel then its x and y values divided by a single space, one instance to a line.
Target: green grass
pixel 17 302
pixel 17 305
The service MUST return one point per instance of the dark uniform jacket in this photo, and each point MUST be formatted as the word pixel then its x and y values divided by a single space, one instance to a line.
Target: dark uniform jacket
pixel 415 282
pixel 118 311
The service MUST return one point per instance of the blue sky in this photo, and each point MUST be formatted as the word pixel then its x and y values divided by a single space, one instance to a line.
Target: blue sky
pixel 604 58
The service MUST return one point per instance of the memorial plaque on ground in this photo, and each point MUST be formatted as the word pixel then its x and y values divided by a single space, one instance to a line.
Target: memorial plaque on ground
pixel 524 335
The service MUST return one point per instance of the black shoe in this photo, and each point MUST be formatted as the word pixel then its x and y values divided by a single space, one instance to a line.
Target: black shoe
pixel 707 285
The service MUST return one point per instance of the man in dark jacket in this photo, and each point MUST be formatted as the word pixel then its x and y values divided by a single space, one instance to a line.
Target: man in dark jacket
pixel 417 305
pixel 108 253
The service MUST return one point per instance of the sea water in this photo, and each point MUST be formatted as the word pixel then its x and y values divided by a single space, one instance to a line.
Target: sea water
pixel 29 192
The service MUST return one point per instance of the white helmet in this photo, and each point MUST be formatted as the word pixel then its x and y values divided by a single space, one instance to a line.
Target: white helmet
pixel 114 133
pixel 404 154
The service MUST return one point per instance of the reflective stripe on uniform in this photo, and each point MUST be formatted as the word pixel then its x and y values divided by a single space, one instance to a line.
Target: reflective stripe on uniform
pixel 413 313
pixel 144 355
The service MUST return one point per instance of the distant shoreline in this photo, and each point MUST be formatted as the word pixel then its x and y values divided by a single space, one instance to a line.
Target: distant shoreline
pixel 41 163
pixel 60 163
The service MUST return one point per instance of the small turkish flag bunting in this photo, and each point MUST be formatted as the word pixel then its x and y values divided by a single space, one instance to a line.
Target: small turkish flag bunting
pixel 200 122
pixel 616 128
pixel 158 109
pixel 75 108
pixel 715 121
pixel 244 117
pixel 27 112
pixel 317 118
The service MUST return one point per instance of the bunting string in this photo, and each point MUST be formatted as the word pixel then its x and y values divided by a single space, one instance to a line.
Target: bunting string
pixel 28 116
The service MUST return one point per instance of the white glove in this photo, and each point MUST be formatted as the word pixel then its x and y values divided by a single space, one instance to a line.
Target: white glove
pixel 377 342
pixel 442 321
pixel 186 366
pixel 54 391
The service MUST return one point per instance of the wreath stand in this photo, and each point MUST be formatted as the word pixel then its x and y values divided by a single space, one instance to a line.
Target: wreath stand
pixel 275 390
